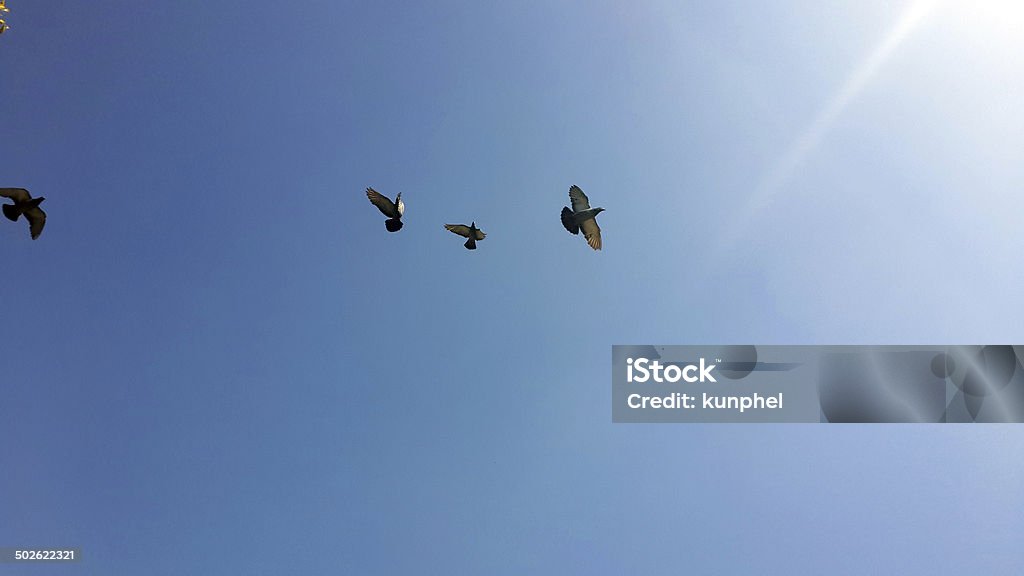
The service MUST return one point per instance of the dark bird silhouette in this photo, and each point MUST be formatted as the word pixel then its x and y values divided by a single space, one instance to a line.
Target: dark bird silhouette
pixel 393 210
pixel 471 232
pixel 25 204
pixel 582 216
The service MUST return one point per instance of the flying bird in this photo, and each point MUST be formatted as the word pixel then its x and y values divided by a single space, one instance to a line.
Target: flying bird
pixel 24 204
pixel 393 210
pixel 582 216
pixel 471 232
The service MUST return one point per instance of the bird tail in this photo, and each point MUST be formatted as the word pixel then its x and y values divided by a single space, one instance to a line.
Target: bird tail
pixel 11 212
pixel 569 222
pixel 470 244
pixel 393 224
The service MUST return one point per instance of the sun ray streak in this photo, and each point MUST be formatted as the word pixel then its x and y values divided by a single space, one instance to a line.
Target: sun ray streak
pixel 786 166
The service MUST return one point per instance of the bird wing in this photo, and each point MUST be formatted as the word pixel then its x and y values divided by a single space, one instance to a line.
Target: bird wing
pixel 569 222
pixel 385 205
pixel 36 220
pixel 580 201
pixel 592 232
pixel 16 194
pixel 460 229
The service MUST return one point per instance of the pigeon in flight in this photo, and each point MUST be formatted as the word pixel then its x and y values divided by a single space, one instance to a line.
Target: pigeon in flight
pixel 24 204
pixel 393 210
pixel 471 232
pixel 582 216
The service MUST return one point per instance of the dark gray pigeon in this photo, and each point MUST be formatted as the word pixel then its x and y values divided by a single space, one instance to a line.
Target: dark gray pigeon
pixel 582 216
pixel 471 232
pixel 25 204
pixel 393 210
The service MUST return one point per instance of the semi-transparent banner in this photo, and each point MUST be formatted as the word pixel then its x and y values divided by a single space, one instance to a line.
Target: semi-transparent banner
pixel 818 383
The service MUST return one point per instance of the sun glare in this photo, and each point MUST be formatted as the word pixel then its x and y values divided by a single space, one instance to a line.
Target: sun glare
pixel 997 19
pixel 775 180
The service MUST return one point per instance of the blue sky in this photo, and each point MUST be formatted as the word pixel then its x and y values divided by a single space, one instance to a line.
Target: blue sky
pixel 218 361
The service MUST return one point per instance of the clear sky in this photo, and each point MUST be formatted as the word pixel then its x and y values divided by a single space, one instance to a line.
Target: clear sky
pixel 218 361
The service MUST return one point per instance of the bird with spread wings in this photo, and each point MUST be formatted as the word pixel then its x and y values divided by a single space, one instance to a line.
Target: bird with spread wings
pixel 393 210
pixel 24 204
pixel 582 217
pixel 471 232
